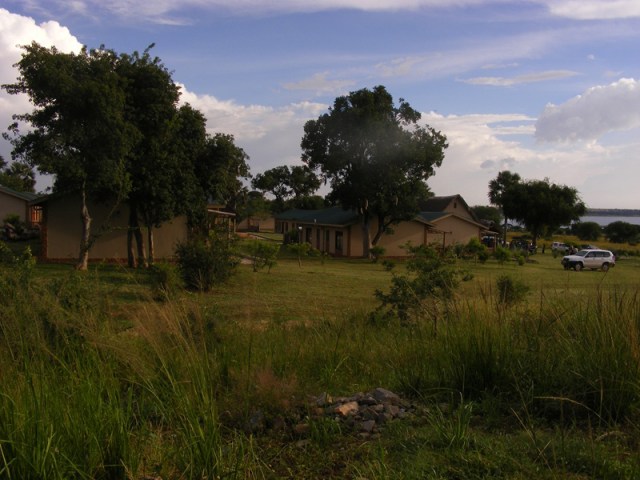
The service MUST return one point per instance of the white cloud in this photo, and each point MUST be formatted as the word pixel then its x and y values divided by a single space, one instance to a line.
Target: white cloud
pixel 163 9
pixel 499 50
pixel 270 136
pixel 482 145
pixel 17 30
pixel 594 9
pixel 599 110
pixel 521 79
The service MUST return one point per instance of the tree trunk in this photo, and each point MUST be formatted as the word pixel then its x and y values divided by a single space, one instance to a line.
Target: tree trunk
pixel 142 256
pixel 151 246
pixel 366 235
pixel 379 231
pixel 85 245
pixel 131 254
pixel 135 232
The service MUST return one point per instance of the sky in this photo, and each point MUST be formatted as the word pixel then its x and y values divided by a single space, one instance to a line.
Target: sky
pixel 543 88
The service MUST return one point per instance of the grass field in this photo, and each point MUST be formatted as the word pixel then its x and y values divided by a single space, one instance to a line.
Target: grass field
pixel 99 380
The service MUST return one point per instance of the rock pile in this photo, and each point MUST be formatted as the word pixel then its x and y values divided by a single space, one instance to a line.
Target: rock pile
pixel 363 412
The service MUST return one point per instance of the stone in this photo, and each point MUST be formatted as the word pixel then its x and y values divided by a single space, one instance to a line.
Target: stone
pixel 368 426
pixel 382 395
pixel 347 409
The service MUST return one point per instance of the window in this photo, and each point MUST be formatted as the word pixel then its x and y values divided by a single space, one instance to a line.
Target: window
pixel 338 241
pixel 35 214
pixel 307 234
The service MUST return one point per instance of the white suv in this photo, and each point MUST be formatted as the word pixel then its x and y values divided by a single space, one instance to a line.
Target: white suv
pixel 593 259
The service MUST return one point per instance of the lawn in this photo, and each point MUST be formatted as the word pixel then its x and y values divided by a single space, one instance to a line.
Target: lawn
pixel 217 384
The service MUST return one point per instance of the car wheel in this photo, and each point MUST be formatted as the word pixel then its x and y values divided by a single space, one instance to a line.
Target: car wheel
pixel 577 267
pixel 605 267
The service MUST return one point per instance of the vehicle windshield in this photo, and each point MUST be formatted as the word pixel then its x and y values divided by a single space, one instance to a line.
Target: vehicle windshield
pixel 582 253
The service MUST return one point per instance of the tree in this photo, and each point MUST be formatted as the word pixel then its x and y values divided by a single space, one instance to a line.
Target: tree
pixel 79 130
pixel 497 191
pixel 220 167
pixel 253 205
pixel 487 214
pixel 589 231
pixel 18 176
pixel 151 100
pixel 290 186
pixel 375 156
pixel 541 205
pixel 622 232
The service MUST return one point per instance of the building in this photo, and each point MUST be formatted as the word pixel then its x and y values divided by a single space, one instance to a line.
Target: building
pixel 442 220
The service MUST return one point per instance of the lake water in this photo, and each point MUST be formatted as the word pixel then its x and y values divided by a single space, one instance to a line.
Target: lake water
pixel 605 220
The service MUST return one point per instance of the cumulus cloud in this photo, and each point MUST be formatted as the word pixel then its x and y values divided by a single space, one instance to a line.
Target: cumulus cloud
pixel 270 136
pixel 599 110
pixel 17 30
pixel 521 79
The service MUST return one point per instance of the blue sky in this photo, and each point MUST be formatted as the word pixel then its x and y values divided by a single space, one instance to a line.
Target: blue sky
pixel 544 88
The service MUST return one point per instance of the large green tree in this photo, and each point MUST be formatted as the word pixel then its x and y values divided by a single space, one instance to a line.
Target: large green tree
pixel 18 176
pixel 622 232
pixel 290 186
pixel 497 195
pixel 376 157
pixel 542 206
pixel 78 128
pixel 151 104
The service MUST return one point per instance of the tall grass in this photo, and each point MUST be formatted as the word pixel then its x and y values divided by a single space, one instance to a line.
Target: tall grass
pixel 95 388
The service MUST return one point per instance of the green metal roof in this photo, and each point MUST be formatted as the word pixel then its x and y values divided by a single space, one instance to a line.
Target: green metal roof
pixel 27 196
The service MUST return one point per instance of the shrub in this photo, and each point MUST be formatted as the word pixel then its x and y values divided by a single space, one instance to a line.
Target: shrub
pixel 204 263
pixel 165 281
pixel 263 254
pixel 432 278
pixel 376 252
pixel 300 250
pixel 477 250
pixel 511 291
pixel 502 254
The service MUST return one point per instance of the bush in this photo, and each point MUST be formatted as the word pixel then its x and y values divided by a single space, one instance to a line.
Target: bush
pixel 300 250
pixel 204 263
pixel 511 291
pixel 502 254
pixel 376 252
pixel 165 281
pixel 263 254
pixel 433 278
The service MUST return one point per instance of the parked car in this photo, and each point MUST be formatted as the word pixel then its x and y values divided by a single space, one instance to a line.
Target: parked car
pixel 593 259
pixel 559 247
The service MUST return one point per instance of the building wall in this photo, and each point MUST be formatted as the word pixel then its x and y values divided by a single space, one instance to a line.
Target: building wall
pixel 457 207
pixel 64 230
pixel 12 205
pixel 324 238
pixel 403 233
pixel 458 231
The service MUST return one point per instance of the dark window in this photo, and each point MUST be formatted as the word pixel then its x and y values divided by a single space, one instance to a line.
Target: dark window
pixel 307 234
pixel 338 241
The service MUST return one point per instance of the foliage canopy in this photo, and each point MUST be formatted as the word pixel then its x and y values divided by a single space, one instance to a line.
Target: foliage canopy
pixel 375 156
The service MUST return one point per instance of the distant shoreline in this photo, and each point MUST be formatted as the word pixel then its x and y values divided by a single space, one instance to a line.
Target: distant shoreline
pixel 612 212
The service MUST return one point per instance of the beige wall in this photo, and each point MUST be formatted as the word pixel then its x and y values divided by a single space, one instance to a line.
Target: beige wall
pixel 12 205
pixel 414 232
pixel 458 208
pixel 458 230
pixel 64 229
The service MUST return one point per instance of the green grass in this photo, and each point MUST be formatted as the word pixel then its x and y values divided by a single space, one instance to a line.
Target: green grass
pixel 101 381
